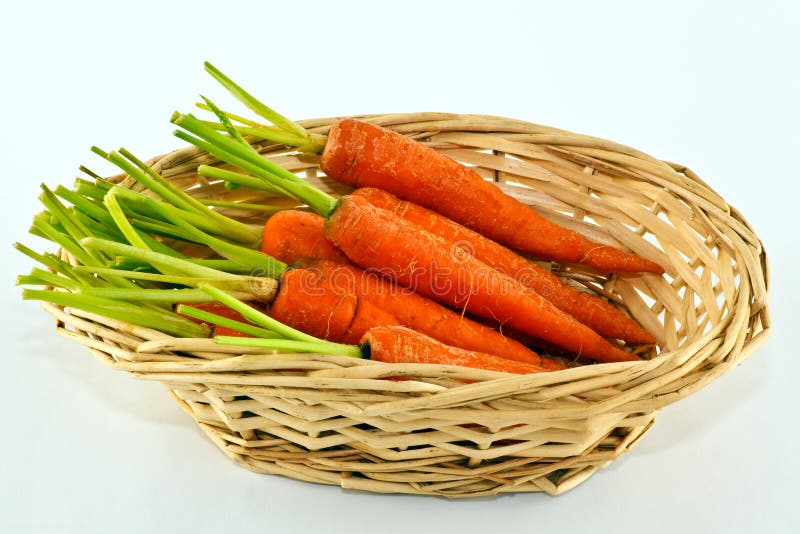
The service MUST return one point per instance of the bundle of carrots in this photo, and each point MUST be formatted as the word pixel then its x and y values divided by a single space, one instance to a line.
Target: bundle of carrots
pixel 395 271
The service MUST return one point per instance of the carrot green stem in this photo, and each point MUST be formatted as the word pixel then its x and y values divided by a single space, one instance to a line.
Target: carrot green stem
pixel 162 229
pixel 134 235
pixel 155 277
pixel 95 210
pixel 42 277
pixel 261 131
pixel 99 213
pixel 169 264
pixel 158 295
pixel 234 117
pixel 322 347
pixel 124 226
pixel 90 173
pixel 254 104
pixel 32 280
pixel 48 261
pixel 261 288
pixel 244 206
pixel 256 162
pixel 156 210
pixel 98 229
pixel 262 168
pixel 144 178
pixel 47 230
pixel 220 265
pixel 145 175
pixel 75 230
pixel 226 266
pixel 226 124
pixel 219 320
pixel 164 321
pixel 253 258
pixel 88 189
pixel 215 173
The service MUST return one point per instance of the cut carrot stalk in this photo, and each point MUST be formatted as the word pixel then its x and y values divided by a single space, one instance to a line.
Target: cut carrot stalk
pixel 395 344
pixel 374 238
pixel 592 311
pixel 292 235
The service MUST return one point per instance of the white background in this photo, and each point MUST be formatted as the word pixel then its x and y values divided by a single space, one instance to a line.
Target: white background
pixel 86 449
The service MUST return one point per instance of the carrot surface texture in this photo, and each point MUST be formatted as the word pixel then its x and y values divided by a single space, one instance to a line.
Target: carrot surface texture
pixel 393 344
pixel 308 302
pixel 591 310
pixel 372 237
pixel 292 235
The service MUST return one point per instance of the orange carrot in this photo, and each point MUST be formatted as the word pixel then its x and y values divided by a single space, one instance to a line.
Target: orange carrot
pixel 303 303
pixel 424 315
pixel 291 235
pixel 367 316
pixel 307 301
pixel 365 155
pixel 374 238
pixel 396 344
pixel 592 311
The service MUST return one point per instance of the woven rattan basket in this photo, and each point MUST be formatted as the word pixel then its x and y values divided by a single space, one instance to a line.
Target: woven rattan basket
pixel 329 419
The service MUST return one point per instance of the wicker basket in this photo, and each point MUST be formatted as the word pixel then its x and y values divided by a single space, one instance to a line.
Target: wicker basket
pixel 328 419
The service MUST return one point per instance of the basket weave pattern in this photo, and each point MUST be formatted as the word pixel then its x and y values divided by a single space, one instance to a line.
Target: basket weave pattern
pixel 330 419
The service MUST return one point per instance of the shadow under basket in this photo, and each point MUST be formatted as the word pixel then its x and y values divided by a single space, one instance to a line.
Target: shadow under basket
pixel 459 432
